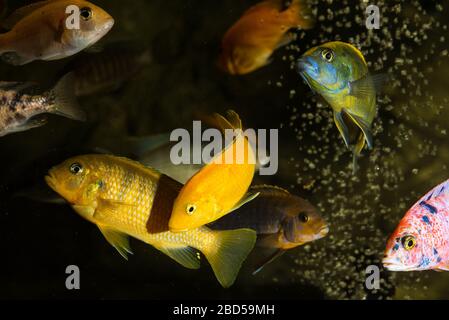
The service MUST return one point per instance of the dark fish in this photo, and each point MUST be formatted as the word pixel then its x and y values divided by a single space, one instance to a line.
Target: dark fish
pixel 107 70
pixel 20 102
pixel 282 221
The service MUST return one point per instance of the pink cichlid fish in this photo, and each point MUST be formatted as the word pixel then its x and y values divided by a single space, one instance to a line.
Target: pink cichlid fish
pixel 421 240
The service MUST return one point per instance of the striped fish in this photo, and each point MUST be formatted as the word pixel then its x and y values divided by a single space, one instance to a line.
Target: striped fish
pixel 107 70
pixel 421 240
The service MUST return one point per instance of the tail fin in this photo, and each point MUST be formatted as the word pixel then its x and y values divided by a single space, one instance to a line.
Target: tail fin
pixel 301 15
pixel 228 252
pixel 65 100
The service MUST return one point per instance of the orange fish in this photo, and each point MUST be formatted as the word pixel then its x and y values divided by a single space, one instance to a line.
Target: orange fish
pixel 220 187
pixel 250 42
pixel 40 31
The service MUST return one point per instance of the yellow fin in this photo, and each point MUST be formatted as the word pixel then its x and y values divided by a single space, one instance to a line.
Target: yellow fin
pixel 228 252
pixel 117 239
pixel 87 212
pixel 231 121
pixel 342 128
pixel 364 126
pixel 185 256
pixel 107 207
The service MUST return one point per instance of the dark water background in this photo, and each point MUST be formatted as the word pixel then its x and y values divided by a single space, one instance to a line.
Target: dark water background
pixel 39 240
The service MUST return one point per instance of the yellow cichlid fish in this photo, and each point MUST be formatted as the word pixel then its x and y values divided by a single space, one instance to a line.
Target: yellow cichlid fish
pixel 39 31
pixel 220 187
pixel 124 198
pixel 338 72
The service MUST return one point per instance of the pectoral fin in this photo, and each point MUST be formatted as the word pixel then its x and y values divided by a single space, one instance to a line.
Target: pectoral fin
pixel 367 86
pixel 86 212
pixel 117 239
pixel 270 259
pixel 364 126
pixel 342 127
pixel 107 208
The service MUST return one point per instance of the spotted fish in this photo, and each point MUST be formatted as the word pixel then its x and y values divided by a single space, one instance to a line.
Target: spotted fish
pixel 421 240
pixel 21 102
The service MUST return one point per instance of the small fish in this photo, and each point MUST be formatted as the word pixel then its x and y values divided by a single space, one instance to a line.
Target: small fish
pixel 123 198
pixel 20 102
pixel 421 240
pixel 250 42
pixel 221 186
pixel 338 72
pixel 282 221
pixel 39 31
pixel 107 70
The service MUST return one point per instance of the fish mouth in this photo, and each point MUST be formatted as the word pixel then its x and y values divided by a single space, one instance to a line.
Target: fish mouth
pixel 392 264
pixel 305 66
pixel 323 231
pixel 51 181
pixel 108 25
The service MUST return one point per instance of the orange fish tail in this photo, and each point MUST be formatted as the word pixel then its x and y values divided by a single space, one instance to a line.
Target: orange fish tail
pixel 300 14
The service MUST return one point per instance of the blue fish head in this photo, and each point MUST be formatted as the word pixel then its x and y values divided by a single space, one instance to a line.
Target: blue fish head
pixel 322 76
pixel 329 68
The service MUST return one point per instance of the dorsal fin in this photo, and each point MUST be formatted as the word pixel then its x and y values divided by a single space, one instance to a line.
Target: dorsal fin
pixel 441 189
pixel 232 121
pixel 22 12
pixel 270 190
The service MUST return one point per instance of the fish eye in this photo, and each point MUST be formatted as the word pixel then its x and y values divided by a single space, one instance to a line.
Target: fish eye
pixel 76 168
pixel 327 55
pixel 190 209
pixel 303 217
pixel 86 13
pixel 408 242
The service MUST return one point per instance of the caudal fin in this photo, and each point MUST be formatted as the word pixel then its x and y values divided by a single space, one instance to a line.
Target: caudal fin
pixel 65 100
pixel 228 252
pixel 300 13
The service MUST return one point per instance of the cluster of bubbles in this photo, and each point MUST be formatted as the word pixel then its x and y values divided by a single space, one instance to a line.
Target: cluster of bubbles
pixel 409 157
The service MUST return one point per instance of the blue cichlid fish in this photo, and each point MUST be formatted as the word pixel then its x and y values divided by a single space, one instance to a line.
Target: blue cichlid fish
pixel 338 72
